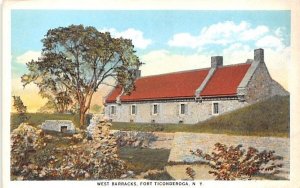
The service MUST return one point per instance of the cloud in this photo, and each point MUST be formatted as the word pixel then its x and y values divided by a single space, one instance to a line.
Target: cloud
pixel 136 36
pixel 270 42
pixel 164 61
pixel 228 33
pixel 252 34
pixel 28 56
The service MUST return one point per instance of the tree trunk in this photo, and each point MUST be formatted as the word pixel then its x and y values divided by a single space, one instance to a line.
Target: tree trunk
pixel 83 109
pixel 82 119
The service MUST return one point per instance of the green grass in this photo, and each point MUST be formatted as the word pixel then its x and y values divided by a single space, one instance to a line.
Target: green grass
pixel 143 159
pixel 266 118
pixel 35 119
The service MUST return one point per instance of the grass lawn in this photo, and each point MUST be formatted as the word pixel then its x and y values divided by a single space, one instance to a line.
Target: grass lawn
pixel 266 118
pixel 140 160
pixel 36 119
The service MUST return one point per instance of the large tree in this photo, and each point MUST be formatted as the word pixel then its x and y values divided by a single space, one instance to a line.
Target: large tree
pixel 78 59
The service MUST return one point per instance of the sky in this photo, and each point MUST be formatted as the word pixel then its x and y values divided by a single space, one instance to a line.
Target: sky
pixel 166 41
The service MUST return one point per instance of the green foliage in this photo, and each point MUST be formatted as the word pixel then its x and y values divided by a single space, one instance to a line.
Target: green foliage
pixel 20 108
pixel 19 105
pixel 230 163
pixel 266 118
pixel 76 60
pixel 49 107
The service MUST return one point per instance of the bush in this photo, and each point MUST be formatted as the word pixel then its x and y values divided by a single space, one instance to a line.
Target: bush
pixel 32 159
pixel 230 163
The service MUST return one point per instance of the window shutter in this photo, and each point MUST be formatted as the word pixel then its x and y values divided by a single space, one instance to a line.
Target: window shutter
pixel 158 108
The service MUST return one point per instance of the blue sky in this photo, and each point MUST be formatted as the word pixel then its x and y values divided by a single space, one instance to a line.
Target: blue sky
pixel 166 41
pixel 29 26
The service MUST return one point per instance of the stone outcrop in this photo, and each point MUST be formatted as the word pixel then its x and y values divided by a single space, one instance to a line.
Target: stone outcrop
pixel 96 120
pixel 134 139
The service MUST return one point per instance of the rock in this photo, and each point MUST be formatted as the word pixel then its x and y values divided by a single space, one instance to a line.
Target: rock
pixel 96 120
pixel 49 137
pixel 42 173
pixel 20 178
pixel 78 136
pixel 130 172
pixel 136 143
pixel 134 139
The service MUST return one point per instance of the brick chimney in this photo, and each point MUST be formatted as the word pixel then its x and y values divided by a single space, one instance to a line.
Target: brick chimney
pixel 216 61
pixel 259 55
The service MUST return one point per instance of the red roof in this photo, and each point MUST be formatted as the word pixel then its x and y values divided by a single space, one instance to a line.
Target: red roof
pixel 172 85
pixel 224 82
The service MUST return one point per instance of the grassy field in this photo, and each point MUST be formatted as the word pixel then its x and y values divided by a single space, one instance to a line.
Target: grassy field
pixel 36 119
pixel 143 159
pixel 266 118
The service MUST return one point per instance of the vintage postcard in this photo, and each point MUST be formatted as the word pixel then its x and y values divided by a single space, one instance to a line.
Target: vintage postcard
pixel 152 95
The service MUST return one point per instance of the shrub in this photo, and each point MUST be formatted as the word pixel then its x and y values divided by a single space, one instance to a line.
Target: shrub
pixel 32 159
pixel 230 163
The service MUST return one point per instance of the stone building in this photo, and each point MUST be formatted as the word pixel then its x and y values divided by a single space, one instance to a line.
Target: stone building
pixel 195 95
pixel 62 126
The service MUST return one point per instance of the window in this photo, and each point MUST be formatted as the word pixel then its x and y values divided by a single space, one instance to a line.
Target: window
pixel 113 110
pixel 215 108
pixel 133 109
pixel 154 109
pixel 182 108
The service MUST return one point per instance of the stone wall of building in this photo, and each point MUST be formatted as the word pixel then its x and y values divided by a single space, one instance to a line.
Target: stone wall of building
pixel 169 111
pixel 261 86
pixel 65 126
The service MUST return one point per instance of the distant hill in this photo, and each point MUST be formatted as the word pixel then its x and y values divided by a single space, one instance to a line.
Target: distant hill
pixel 266 118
